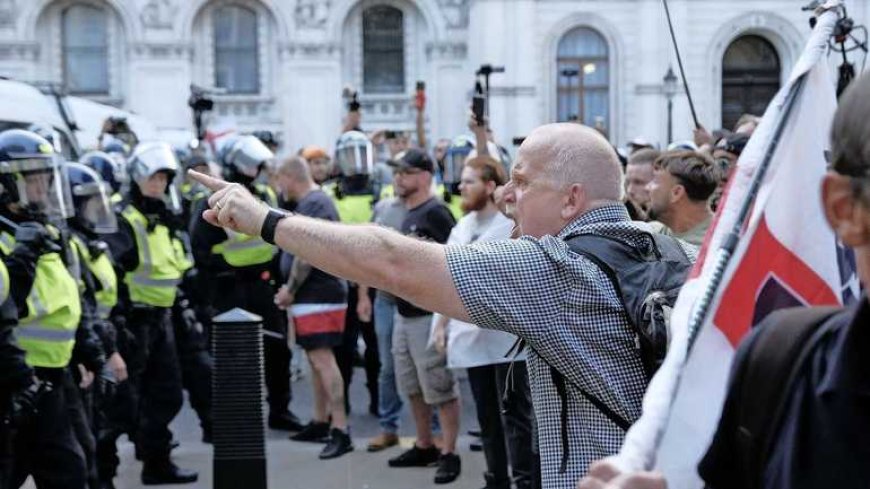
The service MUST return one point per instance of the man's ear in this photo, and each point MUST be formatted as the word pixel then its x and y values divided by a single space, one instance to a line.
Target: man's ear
pixel 848 217
pixel 677 193
pixel 575 202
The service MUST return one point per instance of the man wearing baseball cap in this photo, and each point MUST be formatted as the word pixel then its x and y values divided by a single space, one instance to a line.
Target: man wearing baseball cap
pixel 421 372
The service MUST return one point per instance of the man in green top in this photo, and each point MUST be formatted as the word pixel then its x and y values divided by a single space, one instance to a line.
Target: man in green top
pixel 679 193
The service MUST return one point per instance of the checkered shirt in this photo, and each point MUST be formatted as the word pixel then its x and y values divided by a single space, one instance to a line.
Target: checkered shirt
pixel 569 314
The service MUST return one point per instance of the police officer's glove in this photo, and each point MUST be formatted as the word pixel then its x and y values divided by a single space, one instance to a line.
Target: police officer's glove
pixel 36 238
pixel 25 401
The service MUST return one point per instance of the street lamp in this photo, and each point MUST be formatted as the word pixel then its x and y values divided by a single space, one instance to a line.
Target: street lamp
pixel 570 73
pixel 670 89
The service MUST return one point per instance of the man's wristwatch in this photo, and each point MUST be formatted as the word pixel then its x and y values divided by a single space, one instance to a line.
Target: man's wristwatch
pixel 267 232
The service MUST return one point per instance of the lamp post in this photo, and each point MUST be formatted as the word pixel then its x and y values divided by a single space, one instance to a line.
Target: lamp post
pixel 670 89
pixel 570 73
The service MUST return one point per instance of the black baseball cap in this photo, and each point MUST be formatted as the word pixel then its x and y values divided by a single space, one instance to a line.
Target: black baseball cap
pixel 415 159
pixel 734 143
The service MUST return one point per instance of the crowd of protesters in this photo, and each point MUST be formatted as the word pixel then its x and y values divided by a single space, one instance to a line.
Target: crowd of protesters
pixel 442 258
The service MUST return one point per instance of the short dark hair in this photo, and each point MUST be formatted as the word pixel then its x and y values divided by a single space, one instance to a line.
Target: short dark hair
pixel 491 170
pixel 695 171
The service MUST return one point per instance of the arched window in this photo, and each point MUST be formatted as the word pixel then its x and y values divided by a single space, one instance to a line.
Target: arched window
pixel 236 53
pixel 85 50
pixel 750 78
pixel 583 78
pixel 383 50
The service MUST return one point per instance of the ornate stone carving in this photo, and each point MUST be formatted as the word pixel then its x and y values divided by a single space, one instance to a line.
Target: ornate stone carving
pixel 164 51
pixel 158 14
pixel 14 51
pixel 312 14
pixel 8 13
pixel 299 50
pixel 446 50
pixel 455 13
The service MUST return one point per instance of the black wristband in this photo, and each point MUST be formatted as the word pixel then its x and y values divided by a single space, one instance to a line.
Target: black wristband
pixel 267 232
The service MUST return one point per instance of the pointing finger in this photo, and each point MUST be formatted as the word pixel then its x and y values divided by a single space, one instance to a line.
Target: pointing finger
pixel 212 183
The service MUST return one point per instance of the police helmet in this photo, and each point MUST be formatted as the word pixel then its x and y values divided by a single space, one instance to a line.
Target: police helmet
pixel 90 196
pixel 151 158
pixel 244 155
pixel 354 154
pixel 111 168
pixel 31 177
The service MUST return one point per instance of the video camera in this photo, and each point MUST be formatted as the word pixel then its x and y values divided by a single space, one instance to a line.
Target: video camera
pixel 200 102
pixel 488 69
pixel 840 41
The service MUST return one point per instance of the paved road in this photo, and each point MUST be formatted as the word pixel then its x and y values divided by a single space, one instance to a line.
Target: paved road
pixel 293 465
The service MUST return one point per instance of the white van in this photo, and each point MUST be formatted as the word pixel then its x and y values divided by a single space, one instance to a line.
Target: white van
pixel 22 105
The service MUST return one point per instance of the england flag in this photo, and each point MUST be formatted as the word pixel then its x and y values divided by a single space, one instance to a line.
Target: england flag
pixel 786 256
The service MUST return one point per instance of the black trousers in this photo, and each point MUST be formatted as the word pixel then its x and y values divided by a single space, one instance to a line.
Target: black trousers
pixel 346 352
pixel 151 397
pixel 45 446
pixel 80 410
pixel 487 402
pixel 197 365
pixel 254 294
pixel 505 415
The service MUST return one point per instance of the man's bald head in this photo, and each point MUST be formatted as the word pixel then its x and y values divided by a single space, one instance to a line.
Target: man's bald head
pixel 296 167
pixel 569 153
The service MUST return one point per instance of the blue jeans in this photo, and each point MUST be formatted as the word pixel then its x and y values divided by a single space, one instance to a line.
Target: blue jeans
pixel 390 404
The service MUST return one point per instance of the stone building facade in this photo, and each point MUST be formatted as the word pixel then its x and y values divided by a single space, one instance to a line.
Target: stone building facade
pixel 282 64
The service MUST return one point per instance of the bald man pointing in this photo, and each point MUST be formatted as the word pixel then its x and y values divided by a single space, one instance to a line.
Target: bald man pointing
pixel 584 367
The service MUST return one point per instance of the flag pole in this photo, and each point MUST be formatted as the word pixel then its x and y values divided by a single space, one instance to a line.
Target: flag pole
pixel 680 64
pixel 724 254
pixel 731 241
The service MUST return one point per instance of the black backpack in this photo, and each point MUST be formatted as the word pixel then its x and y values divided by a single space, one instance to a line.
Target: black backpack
pixel 647 285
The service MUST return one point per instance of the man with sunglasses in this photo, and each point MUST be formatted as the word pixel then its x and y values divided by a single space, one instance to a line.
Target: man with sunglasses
pixel 421 372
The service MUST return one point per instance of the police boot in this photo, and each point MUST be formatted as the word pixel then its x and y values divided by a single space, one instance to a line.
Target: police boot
pixel 155 472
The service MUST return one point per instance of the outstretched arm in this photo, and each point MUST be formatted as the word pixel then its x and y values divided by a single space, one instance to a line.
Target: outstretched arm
pixel 414 270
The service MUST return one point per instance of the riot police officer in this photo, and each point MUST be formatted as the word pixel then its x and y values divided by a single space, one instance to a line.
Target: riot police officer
pixel 16 377
pixel 112 170
pixel 152 269
pixel 241 272
pixel 34 195
pixel 98 285
pixel 355 194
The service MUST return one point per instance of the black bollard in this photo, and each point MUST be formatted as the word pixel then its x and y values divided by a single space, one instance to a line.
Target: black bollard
pixel 237 384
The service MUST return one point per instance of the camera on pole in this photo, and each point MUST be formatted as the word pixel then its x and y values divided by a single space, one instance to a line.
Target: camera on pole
pixel 843 41
pixel 200 103
pixel 484 72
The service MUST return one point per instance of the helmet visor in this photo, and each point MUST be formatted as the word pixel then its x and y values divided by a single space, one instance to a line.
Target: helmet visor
pixel 93 206
pixel 454 160
pixel 43 188
pixel 155 158
pixel 354 159
pixel 248 156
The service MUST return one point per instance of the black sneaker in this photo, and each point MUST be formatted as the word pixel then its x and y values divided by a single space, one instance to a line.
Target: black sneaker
pixel 449 468
pixel 286 421
pixel 313 432
pixel 416 457
pixel 165 472
pixel 339 444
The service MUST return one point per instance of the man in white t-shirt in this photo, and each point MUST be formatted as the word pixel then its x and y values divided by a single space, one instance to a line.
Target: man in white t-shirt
pixel 503 416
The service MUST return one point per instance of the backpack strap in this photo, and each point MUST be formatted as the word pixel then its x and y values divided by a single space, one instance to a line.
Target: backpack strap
pixel 765 381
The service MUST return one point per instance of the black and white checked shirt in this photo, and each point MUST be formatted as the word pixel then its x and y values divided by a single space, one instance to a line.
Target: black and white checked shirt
pixel 567 311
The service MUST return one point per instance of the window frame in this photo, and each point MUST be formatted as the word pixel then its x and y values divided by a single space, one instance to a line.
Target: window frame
pixel 215 48
pixel 747 79
pixel 401 89
pixel 580 88
pixel 106 48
